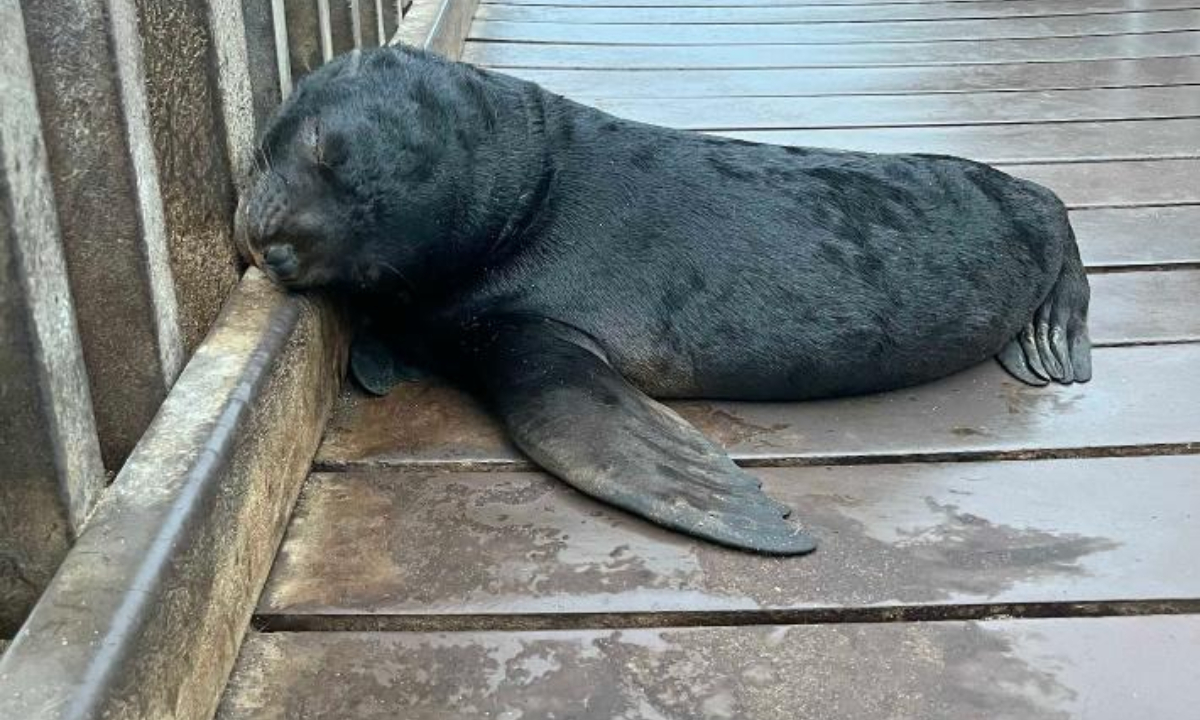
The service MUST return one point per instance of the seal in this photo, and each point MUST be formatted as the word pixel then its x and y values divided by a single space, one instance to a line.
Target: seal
pixel 567 266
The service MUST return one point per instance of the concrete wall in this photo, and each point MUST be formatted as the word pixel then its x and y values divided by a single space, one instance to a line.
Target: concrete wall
pixel 125 131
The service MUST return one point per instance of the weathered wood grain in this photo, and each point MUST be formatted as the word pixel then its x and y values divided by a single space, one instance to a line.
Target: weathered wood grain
pixel 900 537
pixel 1141 398
pixel 1011 143
pixel 709 34
pixel 515 55
pixel 683 12
pixel 1127 237
pixel 1118 184
pixel 988 108
pixel 585 85
pixel 1099 669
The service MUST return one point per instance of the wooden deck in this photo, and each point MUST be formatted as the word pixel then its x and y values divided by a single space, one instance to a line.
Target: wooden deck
pixel 989 550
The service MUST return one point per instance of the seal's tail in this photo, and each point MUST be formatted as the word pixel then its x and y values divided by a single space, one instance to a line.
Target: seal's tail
pixel 1054 345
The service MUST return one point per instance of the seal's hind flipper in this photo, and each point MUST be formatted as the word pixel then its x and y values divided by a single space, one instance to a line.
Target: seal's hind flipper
pixel 1012 358
pixel 375 365
pixel 576 416
pixel 1054 346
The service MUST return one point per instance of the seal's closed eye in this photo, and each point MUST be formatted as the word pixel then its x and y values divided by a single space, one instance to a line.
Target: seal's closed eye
pixel 321 145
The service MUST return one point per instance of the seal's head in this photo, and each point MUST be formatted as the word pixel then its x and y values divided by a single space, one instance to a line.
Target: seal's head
pixel 358 177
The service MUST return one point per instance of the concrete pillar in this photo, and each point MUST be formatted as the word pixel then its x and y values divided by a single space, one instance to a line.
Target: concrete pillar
pixel 50 468
pixel 86 61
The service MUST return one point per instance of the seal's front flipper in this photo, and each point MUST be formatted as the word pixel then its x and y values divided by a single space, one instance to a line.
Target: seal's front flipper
pixel 376 366
pixel 576 416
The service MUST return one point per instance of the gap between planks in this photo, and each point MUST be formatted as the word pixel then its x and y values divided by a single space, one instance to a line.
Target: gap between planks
pixel 901 32
pixel 786 461
pixel 268 623
pixel 838 43
pixel 628 4
pixel 566 12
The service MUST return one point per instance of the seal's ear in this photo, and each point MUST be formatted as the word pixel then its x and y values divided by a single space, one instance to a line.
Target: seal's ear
pixel 353 63
pixel 324 147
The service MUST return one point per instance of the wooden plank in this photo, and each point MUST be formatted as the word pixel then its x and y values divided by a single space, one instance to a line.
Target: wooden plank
pixel 438 26
pixel 588 84
pixel 1130 237
pixel 1146 307
pixel 836 33
pixel 1118 184
pixel 512 55
pixel 1096 669
pixel 1015 143
pixel 760 113
pixel 1141 397
pixel 732 14
pixel 866 6
pixel 903 537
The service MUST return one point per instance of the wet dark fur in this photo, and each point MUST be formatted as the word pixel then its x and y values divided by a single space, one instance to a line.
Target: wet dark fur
pixel 702 266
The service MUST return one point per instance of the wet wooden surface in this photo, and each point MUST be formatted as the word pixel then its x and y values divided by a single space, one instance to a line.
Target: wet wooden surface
pixel 1014 143
pixel 1049 106
pixel 764 13
pixel 522 55
pixel 1131 237
pixel 587 85
pixel 1099 669
pixel 1148 398
pixel 868 8
pixel 956 503
pixel 682 32
pixel 1118 184
pixel 892 536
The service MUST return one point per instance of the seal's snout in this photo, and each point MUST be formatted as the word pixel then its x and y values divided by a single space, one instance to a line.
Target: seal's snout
pixel 280 262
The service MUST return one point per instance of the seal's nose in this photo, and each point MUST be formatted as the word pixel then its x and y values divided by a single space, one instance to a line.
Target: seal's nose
pixel 280 261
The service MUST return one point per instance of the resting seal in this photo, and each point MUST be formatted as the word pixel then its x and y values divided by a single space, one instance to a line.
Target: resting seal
pixel 567 265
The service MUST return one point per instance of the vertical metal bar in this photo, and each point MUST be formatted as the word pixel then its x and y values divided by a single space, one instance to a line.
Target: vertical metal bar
pixel 326 30
pixel 379 31
pixel 282 57
pixel 356 29
pixel 227 30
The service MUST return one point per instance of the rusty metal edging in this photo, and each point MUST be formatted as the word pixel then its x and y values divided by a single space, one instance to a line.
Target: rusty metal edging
pixel 146 614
